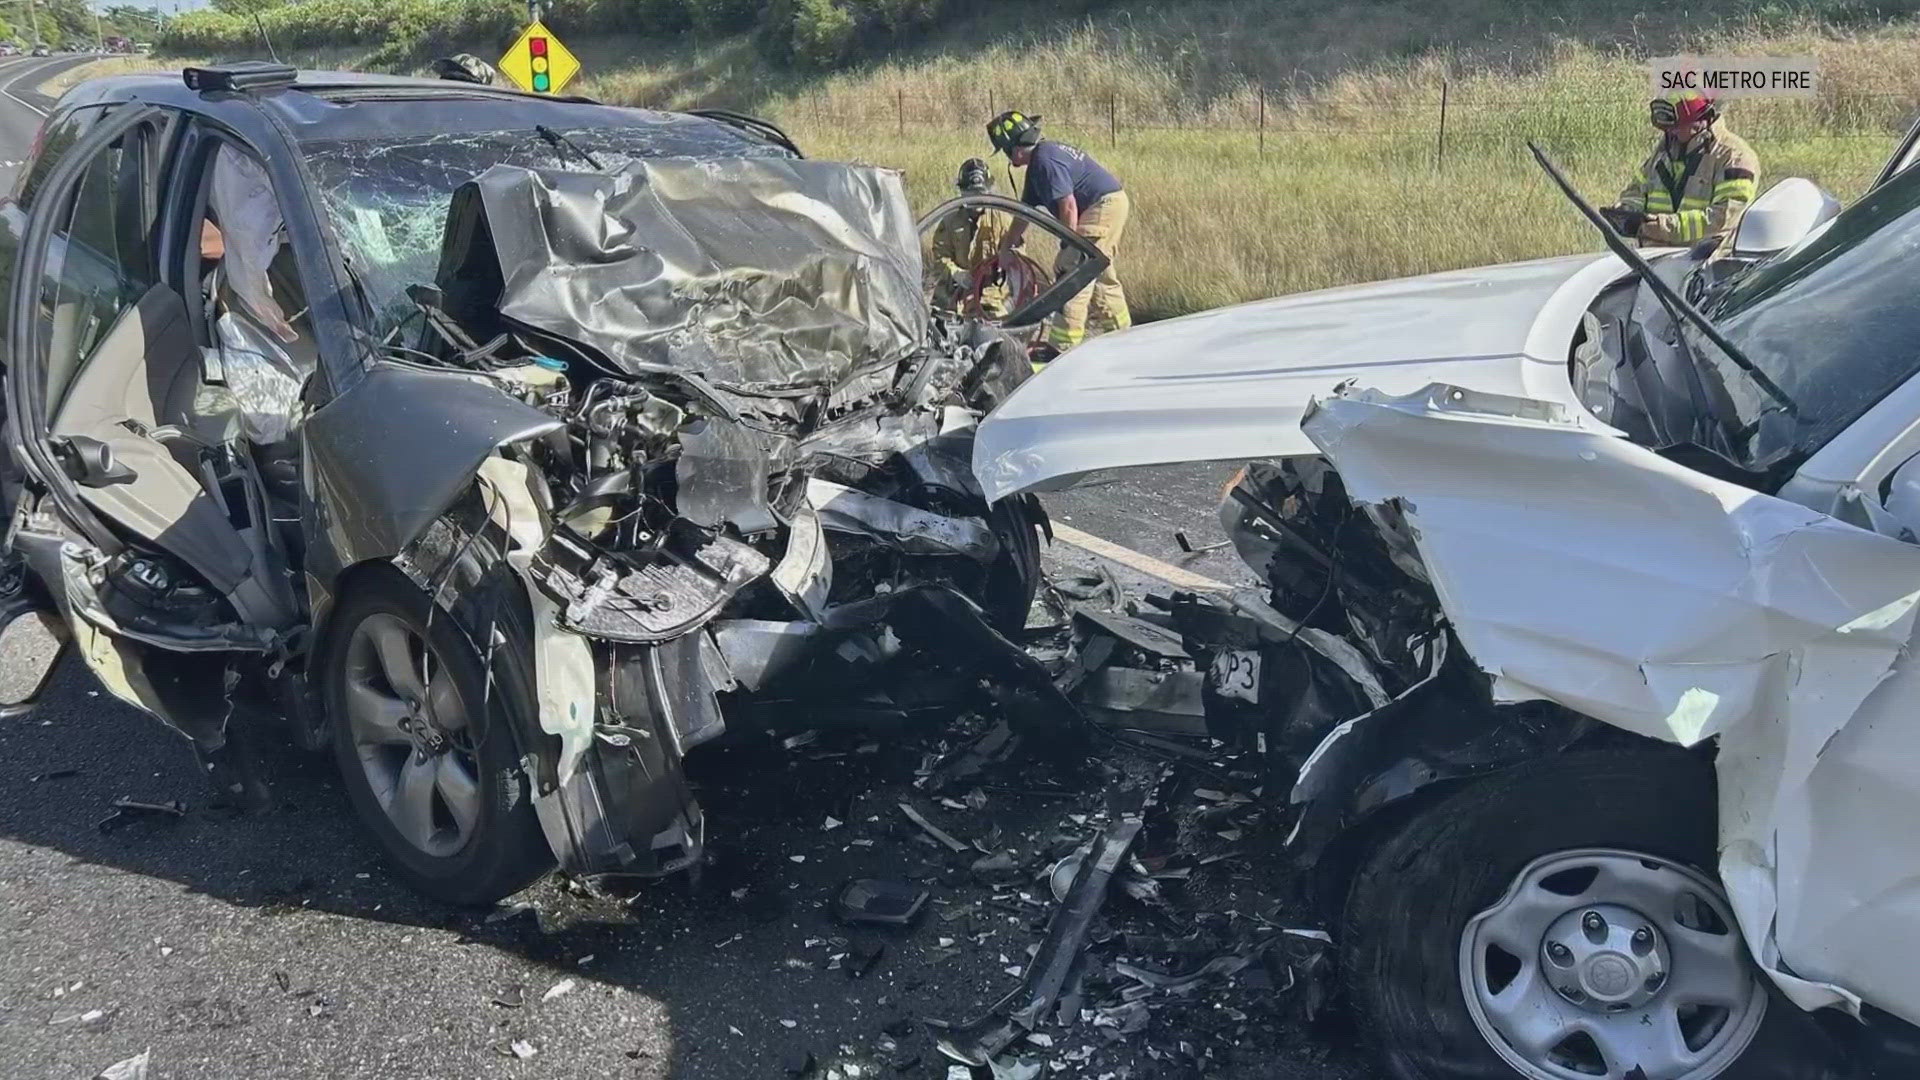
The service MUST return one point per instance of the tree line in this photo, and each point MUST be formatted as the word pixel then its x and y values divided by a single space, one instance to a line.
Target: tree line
pixel 810 34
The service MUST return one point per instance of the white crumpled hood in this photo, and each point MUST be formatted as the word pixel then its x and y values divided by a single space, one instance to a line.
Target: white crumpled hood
pixel 1232 383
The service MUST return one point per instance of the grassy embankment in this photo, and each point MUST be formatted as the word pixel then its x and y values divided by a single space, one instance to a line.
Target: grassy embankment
pixel 1347 188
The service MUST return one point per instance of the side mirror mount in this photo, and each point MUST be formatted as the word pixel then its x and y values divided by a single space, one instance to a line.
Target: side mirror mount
pixel 1900 495
pixel 1789 212
pixel 1704 250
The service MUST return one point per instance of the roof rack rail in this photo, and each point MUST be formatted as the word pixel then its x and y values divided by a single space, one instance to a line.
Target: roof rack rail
pixel 240 77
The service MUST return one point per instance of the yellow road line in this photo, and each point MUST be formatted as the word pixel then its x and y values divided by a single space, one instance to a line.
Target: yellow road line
pixel 1134 560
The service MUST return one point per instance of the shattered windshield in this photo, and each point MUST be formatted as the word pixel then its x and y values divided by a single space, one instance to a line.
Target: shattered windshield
pixel 387 196
pixel 1832 322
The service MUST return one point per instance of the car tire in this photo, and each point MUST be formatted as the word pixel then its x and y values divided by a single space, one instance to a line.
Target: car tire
pixel 1463 864
pixel 477 839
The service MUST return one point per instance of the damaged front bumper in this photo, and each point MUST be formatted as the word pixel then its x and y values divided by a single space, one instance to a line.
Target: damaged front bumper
pixel 1468 581
pixel 1581 569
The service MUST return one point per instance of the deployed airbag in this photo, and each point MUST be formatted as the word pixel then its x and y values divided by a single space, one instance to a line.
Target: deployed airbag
pixel 755 275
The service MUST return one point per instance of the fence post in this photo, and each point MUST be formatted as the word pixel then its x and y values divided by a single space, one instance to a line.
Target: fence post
pixel 1113 118
pixel 900 110
pixel 1440 148
pixel 1263 118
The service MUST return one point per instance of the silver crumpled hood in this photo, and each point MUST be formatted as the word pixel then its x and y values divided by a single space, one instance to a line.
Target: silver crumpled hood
pixel 1232 383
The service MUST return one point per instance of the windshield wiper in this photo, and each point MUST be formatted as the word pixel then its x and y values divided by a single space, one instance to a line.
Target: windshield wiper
pixel 1676 305
pixel 561 143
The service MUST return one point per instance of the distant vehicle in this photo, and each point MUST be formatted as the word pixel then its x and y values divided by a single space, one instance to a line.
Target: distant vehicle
pixel 117 44
pixel 9 49
pixel 42 50
pixel 143 46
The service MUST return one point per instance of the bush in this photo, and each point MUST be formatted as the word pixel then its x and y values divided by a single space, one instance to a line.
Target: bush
pixel 829 33
pixel 822 33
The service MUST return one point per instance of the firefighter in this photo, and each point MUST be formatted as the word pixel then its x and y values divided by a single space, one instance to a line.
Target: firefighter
pixel 1696 184
pixel 966 248
pixel 1088 200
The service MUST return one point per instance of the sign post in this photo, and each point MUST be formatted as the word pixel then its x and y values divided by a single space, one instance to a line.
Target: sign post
pixel 537 62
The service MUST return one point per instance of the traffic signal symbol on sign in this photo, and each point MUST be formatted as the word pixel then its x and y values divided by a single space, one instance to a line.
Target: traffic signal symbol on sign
pixel 539 62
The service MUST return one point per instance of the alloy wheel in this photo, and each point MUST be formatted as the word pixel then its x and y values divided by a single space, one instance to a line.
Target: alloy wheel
pixel 411 734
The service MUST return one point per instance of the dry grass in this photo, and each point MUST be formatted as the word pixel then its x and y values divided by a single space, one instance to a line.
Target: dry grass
pixel 1346 191
pixel 101 68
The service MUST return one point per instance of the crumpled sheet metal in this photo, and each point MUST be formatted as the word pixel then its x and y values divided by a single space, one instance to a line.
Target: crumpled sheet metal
pixel 922 532
pixel 1580 568
pixel 754 274
pixel 562 662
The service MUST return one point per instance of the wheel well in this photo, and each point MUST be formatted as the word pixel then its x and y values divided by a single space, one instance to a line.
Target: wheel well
pixel 1332 872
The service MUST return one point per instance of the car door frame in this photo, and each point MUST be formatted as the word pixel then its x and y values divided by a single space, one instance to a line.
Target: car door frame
pixel 26 405
pixel 1093 261
pixel 334 312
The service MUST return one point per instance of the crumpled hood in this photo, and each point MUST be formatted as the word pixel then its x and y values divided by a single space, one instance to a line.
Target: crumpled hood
pixel 1232 383
pixel 754 274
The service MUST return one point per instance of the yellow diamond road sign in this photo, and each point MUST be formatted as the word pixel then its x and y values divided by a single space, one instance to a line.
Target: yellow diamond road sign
pixel 538 63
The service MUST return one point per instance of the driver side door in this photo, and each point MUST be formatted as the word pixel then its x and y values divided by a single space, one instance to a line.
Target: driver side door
pixel 98 338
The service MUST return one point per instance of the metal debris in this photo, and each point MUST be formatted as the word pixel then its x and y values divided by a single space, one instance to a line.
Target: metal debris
pixel 1047 973
pixel 997 745
pixel 946 839
pixel 1018 1069
pixel 94 1020
pixel 126 810
pixel 883 903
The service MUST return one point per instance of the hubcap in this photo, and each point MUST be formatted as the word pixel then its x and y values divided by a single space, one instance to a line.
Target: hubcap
pixel 410 733
pixel 1605 958
pixel 1599 963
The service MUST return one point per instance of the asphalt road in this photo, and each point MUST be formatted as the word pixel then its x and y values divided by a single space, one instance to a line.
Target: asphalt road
pixel 22 106
pixel 279 946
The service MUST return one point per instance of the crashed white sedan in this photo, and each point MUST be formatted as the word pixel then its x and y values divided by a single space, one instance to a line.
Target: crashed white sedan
pixel 1586 639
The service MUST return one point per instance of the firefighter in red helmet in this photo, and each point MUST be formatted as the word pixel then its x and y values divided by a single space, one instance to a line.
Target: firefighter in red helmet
pixel 1697 182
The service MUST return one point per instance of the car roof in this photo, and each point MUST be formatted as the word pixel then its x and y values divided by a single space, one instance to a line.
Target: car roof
pixel 323 105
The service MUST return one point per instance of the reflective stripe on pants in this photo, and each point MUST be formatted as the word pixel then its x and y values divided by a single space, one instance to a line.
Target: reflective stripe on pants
pixel 1104 223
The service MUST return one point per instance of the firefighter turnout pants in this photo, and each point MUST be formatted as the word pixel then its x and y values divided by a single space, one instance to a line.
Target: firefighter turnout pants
pixel 1103 303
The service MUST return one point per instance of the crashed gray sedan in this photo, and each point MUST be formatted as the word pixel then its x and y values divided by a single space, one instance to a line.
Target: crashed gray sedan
pixel 505 445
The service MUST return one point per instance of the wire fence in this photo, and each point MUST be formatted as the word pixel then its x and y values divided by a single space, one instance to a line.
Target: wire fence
pixel 1444 120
